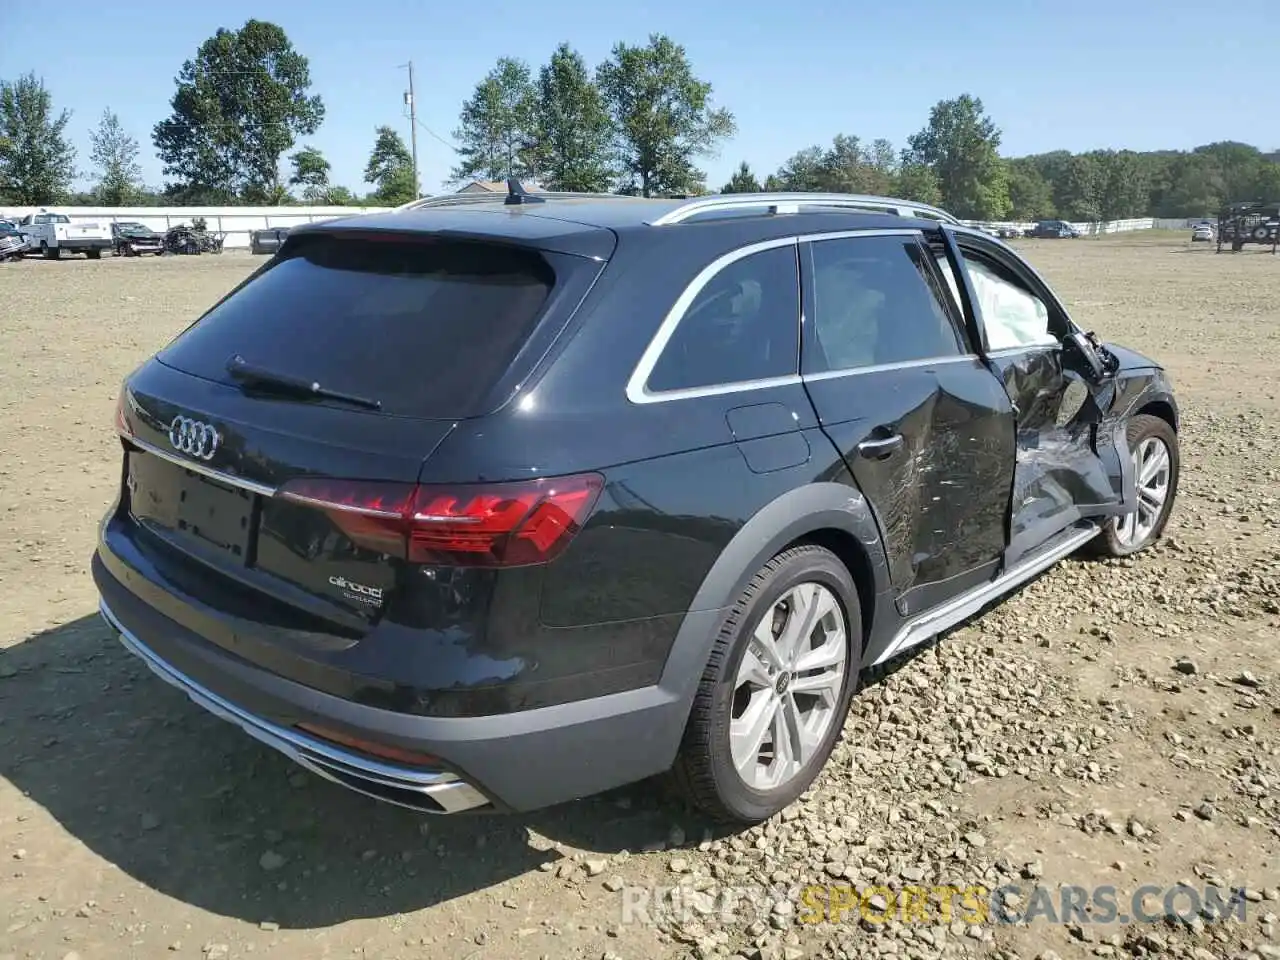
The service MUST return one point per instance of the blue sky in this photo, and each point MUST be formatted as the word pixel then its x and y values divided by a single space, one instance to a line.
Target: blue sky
pixel 1077 75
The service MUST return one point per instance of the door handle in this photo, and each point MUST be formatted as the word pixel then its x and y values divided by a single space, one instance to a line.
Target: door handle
pixel 880 449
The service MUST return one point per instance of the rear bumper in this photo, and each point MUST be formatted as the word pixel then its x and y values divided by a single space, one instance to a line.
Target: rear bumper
pixel 511 762
pixel 85 243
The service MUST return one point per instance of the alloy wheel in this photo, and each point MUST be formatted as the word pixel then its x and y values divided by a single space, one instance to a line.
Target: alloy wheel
pixel 1153 471
pixel 788 686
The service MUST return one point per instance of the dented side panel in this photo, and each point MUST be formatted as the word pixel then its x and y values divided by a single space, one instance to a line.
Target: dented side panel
pixel 1068 466
pixel 940 497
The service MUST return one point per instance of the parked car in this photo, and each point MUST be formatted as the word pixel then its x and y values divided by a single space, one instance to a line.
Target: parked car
pixel 496 505
pixel 1202 231
pixel 132 239
pixel 54 234
pixel 267 240
pixel 1008 233
pixel 1056 229
pixel 13 243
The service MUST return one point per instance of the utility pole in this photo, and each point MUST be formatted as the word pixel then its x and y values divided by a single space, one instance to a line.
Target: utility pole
pixel 413 130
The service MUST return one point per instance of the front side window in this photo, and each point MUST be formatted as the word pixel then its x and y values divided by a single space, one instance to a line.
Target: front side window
pixel 876 302
pixel 744 325
pixel 1011 315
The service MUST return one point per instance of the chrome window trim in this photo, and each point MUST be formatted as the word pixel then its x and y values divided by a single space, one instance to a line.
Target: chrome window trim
pixel 230 479
pixel 638 391
pixel 899 365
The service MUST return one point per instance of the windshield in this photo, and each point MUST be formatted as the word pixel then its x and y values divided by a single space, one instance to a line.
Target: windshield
pixel 59 218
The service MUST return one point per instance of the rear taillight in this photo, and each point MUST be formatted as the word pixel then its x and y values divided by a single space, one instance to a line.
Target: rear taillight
pixel 479 525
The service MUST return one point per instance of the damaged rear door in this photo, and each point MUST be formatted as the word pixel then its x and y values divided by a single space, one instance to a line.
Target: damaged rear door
pixel 1069 462
pixel 923 426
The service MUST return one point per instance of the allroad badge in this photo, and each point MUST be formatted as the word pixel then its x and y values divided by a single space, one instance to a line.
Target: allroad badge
pixel 194 438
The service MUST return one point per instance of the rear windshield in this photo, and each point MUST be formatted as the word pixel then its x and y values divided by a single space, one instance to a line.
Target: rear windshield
pixel 426 327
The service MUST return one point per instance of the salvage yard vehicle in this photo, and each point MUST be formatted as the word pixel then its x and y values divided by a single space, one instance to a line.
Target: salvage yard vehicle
pixel 1251 222
pixel 54 234
pixel 193 239
pixel 493 505
pixel 132 239
pixel 13 243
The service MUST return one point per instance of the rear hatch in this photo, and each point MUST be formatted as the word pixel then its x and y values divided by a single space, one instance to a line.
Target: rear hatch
pixel 273 448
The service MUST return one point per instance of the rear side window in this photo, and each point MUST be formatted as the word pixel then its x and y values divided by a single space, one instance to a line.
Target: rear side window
pixel 426 327
pixel 876 302
pixel 743 325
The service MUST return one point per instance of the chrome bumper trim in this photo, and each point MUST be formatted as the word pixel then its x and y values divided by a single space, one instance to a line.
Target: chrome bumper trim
pixel 425 791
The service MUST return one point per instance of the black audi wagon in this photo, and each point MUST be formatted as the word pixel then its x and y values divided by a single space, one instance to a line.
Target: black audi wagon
pixel 495 503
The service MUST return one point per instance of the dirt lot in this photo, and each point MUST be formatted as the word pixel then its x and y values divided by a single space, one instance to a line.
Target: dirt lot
pixel 1116 723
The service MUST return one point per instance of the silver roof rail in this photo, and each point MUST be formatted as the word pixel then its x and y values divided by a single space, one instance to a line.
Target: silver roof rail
pixel 793 202
pixel 464 199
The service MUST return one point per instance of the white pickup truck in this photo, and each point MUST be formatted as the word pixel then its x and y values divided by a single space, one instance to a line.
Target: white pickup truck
pixel 54 233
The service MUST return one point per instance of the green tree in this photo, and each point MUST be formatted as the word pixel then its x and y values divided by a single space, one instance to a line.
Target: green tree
pixel 1080 194
pixel 239 105
pixel 805 171
pixel 961 145
pixel 573 130
pixel 742 181
pixel 1240 165
pixel 37 161
pixel 1268 183
pixel 1030 195
pixel 1125 190
pixel 311 173
pixel 1197 187
pixel 390 169
pixel 663 117
pixel 498 132
pixel 918 182
pixel 115 154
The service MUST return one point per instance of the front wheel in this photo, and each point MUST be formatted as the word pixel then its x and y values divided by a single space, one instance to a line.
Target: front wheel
pixel 1154 448
pixel 773 698
pixel 93 254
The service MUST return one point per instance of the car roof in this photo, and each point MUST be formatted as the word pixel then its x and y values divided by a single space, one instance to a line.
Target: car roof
pixel 586 225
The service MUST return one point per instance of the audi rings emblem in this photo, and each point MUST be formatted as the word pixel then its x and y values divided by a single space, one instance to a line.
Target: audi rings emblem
pixel 194 438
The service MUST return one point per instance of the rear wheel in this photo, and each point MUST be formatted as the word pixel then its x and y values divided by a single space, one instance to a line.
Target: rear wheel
pixel 1154 448
pixel 773 698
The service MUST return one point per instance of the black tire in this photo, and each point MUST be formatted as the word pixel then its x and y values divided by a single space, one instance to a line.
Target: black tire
pixel 1144 427
pixel 50 253
pixel 704 770
pixel 93 254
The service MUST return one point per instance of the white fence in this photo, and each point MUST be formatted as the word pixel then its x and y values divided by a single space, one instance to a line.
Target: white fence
pixel 1088 229
pixel 238 222
pixel 235 222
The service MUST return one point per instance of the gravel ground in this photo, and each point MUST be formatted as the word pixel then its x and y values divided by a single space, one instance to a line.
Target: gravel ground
pixel 1115 723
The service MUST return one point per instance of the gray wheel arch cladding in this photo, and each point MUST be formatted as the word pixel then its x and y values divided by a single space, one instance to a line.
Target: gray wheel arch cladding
pixel 792 516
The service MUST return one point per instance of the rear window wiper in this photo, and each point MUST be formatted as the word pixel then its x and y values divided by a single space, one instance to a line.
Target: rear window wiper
pixel 247 373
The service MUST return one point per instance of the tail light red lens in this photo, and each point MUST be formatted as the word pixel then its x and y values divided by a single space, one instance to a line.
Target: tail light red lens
pixel 122 423
pixel 479 525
